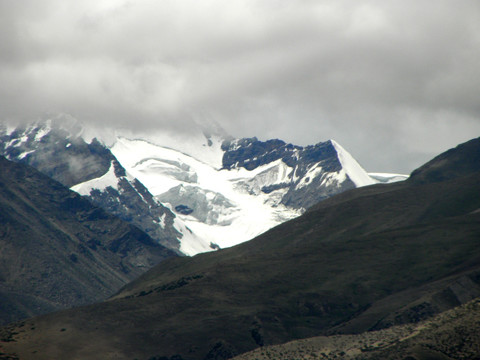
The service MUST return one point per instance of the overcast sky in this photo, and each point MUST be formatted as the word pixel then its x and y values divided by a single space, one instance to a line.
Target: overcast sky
pixel 394 82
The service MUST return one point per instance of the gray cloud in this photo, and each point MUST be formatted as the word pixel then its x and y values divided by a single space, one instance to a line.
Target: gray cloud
pixel 395 82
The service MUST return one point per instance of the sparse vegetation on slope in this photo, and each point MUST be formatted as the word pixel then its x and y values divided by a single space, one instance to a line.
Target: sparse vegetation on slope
pixel 367 259
pixel 454 334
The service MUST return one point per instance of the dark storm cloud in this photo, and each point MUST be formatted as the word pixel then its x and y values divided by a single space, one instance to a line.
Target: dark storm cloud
pixel 393 81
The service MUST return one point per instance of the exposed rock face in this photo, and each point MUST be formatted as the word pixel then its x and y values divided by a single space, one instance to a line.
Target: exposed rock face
pixel 316 171
pixel 128 199
pixel 251 153
pixel 57 149
pixel 58 153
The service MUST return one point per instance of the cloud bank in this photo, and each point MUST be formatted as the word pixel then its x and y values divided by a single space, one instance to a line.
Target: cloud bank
pixel 394 82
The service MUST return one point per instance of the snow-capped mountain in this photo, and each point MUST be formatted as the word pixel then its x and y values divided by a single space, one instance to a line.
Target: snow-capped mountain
pixel 208 199
pixel 308 174
pixel 192 192
pixel 57 148
pixel 229 190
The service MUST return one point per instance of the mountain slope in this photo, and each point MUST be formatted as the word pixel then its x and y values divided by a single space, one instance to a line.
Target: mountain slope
pixel 366 259
pixel 58 148
pixel 454 163
pixel 58 250
pixel 454 334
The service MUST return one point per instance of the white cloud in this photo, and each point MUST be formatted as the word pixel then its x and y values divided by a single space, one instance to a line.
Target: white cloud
pixel 400 76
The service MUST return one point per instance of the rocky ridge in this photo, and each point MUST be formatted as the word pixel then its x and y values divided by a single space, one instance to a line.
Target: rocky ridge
pixel 57 148
pixel 315 172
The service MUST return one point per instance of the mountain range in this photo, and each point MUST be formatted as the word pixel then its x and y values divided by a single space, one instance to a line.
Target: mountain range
pixel 364 260
pixel 194 194
pixel 58 149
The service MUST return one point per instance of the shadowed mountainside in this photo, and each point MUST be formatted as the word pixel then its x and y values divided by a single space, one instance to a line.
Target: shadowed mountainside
pixel 58 250
pixel 366 259
pixel 454 163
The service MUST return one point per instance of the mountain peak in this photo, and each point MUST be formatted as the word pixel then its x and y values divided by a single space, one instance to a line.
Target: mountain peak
pixel 352 168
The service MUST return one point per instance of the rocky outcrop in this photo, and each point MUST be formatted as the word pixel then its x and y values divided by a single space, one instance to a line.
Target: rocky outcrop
pixel 315 171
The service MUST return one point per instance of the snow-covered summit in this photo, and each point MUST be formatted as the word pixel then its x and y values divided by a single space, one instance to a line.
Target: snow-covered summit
pixel 193 191
pixel 222 212
pixel 312 173
pixel 230 190
pixel 351 167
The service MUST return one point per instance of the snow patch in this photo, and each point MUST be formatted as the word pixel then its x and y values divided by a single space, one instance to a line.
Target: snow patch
pixel 16 142
pixel 47 127
pixel 24 154
pixel 333 179
pixel 190 244
pixel 275 173
pixel 312 173
pixel 387 177
pixel 205 148
pixel 352 168
pixel 9 129
pixel 161 221
pixel 101 183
